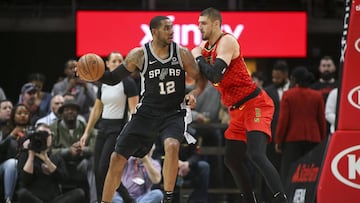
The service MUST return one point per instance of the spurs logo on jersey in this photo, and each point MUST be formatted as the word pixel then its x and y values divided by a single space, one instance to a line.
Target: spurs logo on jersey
pixel 163 80
pixel 163 72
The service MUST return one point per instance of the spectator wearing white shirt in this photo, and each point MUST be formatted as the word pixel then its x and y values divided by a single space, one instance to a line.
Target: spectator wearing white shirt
pixel 56 102
pixel 330 108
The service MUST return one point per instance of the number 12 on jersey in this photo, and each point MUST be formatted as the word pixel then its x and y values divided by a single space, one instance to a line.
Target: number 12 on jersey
pixel 167 87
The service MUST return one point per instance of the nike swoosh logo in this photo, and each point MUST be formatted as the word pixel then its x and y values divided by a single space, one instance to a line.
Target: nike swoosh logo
pixel 152 62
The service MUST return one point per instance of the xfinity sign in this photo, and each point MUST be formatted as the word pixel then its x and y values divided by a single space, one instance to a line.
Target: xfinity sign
pixel 183 32
pixel 261 34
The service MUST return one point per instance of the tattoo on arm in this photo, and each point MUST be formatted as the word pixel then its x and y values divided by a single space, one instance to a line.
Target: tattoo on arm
pixel 135 59
pixel 189 63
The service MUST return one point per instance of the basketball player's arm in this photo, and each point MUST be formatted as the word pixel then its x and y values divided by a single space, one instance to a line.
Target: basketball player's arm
pixel 192 69
pixel 133 60
pixel 225 51
pixel 93 118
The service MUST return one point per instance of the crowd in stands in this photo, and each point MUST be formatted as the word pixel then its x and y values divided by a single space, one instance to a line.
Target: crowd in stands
pixel 55 146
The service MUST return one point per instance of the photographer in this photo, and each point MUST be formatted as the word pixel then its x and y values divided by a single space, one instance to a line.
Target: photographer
pixel 41 172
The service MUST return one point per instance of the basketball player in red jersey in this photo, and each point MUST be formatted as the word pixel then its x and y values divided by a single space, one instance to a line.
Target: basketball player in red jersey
pixel 251 109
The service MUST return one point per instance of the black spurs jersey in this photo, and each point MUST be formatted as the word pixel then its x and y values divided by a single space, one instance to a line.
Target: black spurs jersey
pixel 162 80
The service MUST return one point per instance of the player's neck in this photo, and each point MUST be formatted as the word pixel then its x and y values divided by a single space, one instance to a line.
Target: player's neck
pixel 214 38
pixel 161 50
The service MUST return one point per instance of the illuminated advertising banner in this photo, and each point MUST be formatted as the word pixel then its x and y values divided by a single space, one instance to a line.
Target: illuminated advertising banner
pixel 261 34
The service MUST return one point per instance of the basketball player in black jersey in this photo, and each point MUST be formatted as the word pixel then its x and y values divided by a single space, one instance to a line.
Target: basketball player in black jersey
pixel 162 64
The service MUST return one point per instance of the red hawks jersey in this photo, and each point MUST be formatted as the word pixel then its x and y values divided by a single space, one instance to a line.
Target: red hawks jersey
pixel 236 83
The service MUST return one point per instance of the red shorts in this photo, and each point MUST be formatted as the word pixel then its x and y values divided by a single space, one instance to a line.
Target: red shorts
pixel 255 115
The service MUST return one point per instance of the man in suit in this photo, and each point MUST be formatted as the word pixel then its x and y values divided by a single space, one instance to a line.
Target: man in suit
pixel 280 84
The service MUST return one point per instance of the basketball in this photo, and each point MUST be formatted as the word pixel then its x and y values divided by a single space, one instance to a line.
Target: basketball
pixel 90 67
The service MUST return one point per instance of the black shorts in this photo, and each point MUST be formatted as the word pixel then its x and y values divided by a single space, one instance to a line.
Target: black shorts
pixel 147 125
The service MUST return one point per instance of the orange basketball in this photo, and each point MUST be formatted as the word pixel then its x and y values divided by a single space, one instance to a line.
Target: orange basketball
pixel 90 67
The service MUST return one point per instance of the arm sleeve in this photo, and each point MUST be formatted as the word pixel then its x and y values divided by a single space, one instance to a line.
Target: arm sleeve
pixel 215 72
pixel 115 76
pixel 130 87
pixel 99 92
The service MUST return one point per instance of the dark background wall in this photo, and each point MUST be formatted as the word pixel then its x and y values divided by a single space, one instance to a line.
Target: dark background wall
pixel 23 53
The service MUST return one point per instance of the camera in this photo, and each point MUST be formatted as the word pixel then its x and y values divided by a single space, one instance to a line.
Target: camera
pixel 38 141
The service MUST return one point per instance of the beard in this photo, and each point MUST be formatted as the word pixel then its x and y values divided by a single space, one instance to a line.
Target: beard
pixel 204 37
pixel 327 75
pixel 281 84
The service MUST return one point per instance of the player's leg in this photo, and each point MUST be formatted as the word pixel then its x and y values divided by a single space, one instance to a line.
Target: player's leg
pixel 113 176
pixel 235 154
pixel 256 143
pixel 258 117
pixel 170 166
pixel 235 157
pixel 172 131
pixel 129 143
